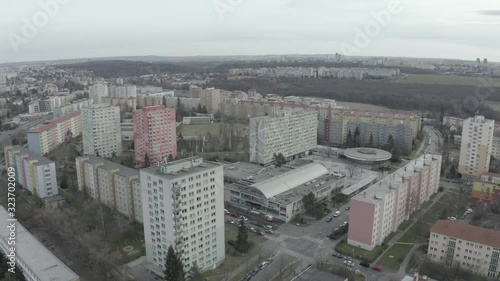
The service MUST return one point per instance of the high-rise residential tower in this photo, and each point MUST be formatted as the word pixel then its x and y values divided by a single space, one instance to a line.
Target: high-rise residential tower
pixel 101 131
pixel 476 147
pixel 183 207
pixel 154 134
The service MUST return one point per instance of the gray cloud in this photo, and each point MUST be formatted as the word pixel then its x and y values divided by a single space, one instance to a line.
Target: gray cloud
pixel 490 13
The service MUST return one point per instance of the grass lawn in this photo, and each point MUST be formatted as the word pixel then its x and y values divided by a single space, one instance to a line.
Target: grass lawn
pixel 232 262
pixel 445 80
pixel 390 236
pixel 440 272
pixel 286 272
pixel 395 256
pixel 404 225
pixel 417 233
pixel 349 250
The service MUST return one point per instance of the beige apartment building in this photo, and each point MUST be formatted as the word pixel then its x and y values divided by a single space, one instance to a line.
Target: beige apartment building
pixel 112 184
pixel 377 211
pixel 472 248
pixel 476 146
pixel 210 98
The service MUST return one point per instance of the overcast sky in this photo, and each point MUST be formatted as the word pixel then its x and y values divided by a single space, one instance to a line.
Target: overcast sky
pixel 463 29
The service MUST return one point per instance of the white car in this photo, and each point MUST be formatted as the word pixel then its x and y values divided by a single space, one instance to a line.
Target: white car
pixel 243 218
pixel 336 214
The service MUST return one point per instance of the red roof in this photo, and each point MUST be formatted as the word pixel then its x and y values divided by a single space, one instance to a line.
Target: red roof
pixel 467 232
pixel 54 122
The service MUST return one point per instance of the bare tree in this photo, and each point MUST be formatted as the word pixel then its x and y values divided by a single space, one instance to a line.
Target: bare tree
pixel 122 223
pixel 353 169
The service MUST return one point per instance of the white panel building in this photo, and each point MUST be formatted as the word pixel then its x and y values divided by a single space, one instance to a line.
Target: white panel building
pixel 183 207
pixel 291 133
pixel 476 146
pixel 97 92
pixel 101 130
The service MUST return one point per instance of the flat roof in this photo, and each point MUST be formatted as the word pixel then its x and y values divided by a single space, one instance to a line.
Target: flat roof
pixel 373 193
pixel 42 160
pixel 54 122
pixel 467 232
pixel 206 165
pixel 367 154
pixel 124 171
pixel 42 262
pixel 359 185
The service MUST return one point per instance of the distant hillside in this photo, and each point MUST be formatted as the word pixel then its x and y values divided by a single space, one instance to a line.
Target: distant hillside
pixel 121 68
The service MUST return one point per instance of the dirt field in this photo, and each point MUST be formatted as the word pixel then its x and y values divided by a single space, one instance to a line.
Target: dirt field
pixel 444 80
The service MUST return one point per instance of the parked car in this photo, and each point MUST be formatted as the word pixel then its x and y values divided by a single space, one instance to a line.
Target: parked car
pixel 348 208
pixel 345 223
pixel 329 219
pixel 349 263
pixel 270 260
pixel 260 233
pixel 243 218
pixel 336 214
pixel 365 264
pixel 226 212
pixel 248 277
pixel 266 227
pixel 268 231
pixel 263 265
pixel 377 268
pixel 253 229
pixel 234 215
pixel 255 271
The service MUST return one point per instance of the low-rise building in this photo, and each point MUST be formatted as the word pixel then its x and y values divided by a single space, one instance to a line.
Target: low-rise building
pixel 196 120
pixel 377 211
pixel 76 105
pixel 112 184
pixel 280 195
pixel 470 247
pixel 47 137
pixel 36 261
pixel 486 189
pixel 32 171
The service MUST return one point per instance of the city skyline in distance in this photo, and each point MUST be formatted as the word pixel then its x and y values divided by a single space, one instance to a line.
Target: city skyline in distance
pixel 422 29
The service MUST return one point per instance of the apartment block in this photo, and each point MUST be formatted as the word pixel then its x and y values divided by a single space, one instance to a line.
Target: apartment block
pixel 290 133
pixel 187 103
pixel 47 137
pixel 32 257
pixel 76 105
pixel 127 91
pixel 486 189
pixel 154 134
pixel 143 101
pixel 401 134
pixel 114 185
pixel 495 148
pixel 97 92
pixel 33 171
pixel 477 145
pixel 183 207
pixel 210 98
pixel 125 104
pixel 101 131
pixel 378 211
pixel 470 247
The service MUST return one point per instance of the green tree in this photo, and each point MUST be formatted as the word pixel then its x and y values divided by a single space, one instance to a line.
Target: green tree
pixel 195 273
pixel 242 239
pixel 204 110
pixel 15 141
pixel 357 137
pixel 146 161
pixel 349 140
pixel 8 113
pixel 170 158
pixel 132 146
pixel 390 143
pixel 174 270
pixel 113 155
pixel 69 135
pixel 199 110
pixel 370 142
pixel 279 159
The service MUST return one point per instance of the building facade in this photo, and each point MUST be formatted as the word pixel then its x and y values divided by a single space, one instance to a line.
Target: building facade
pixel 46 138
pixel 289 133
pixel 470 247
pixel 281 195
pixel 382 207
pixel 125 104
pixel 76 105
pixel 476 146
pixel 114 185
pixel 187 103
pixel 486 190
pixel 33 171
pixel 101 131
pixel 154 134
pixel 495 148
pixel 210 99
pixel 97 92
pixel 183 207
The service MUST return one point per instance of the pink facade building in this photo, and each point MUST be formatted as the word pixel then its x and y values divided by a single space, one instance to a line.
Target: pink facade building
pixel 154 134
pixel 378 211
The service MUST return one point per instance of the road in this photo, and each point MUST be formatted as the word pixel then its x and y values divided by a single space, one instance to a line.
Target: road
pixel 6 137
pixel 435 140
pixel 304 245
